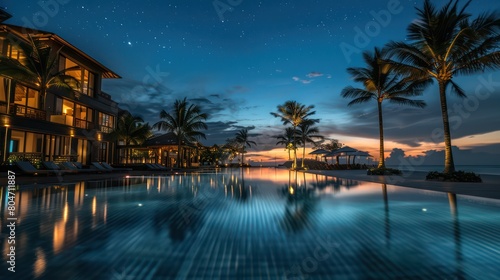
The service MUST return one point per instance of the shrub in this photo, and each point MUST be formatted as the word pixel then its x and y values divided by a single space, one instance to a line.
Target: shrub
pixel 457 176
pixel 383 171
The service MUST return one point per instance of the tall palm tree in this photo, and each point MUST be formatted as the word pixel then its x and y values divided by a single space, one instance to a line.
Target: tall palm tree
pixel 185 121
pixel 294 113
pixel 39 66
pixel 381 82
pixel 242 139
pixel 131 130
pixel 307 132
pixel 444 43
pixel 286 139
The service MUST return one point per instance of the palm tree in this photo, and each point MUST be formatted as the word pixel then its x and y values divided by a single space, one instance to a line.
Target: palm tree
pixel 294 113
pixel 231 148
pixel 242 139
pixel 444 43
pixel 381 82
pixel 306 133
pixel 39 66
pixel 286 139
pixel 185 121
pixel 131 130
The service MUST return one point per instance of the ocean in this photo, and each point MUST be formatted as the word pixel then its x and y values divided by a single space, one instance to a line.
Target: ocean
pixel 479 169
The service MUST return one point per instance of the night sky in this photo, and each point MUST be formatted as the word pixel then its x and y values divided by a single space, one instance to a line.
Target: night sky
pixel 240 63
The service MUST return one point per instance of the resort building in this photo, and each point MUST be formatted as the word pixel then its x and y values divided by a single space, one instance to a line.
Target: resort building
pixel 63 125
pixel 163 149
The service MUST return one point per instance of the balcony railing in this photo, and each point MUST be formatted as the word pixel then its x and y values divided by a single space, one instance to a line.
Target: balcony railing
pixel 83 124
pixel 3 107
pixel 28 112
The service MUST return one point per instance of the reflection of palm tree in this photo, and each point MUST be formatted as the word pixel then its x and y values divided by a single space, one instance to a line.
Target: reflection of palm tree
pixel 387 218
pixel 184 215
pixel 238 188
pixel 452 199
pixel 300 204
pixel 381 82
pixel 445 43
pixel 185 121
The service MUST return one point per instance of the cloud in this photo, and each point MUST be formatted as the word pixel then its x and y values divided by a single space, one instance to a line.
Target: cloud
pixel 148 100
pixel 314 74
pixel 311 76
pixel 236 89
pixel 414 126
pixel 436 157
pixel 297 79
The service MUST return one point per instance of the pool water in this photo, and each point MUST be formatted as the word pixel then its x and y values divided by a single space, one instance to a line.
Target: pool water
pixel 260 223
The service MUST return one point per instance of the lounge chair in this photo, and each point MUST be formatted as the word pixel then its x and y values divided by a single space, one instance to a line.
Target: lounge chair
pixel 159 166
pixel 50 165
pixel 27 168
pixel 71 166
pixel 99 167
pixel 107 166
pixel 151 166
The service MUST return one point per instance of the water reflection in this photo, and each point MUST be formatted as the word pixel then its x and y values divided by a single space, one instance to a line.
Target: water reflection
pixel 387 219
pixel 236 187
pixel 300 205
pixel 332 184
pixel 40 263
pixel 452 199
pixel 247 225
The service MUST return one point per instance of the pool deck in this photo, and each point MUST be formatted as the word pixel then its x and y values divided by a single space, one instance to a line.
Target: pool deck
pixel 489 188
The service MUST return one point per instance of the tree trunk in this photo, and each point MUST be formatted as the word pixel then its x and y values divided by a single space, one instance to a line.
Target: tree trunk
pixel 294 165
pixel 303 153
pixel 381 161
pixel 43 95
pixel 449 165
pixel 179 153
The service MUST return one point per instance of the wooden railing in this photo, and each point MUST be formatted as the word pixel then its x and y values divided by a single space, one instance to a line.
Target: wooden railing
pixel 28 112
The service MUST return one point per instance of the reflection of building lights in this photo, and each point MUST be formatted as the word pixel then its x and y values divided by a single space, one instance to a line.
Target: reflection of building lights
pixel 59 235
pixel 291 190
pixel 40 263
pixel 65 213
pixel 94 206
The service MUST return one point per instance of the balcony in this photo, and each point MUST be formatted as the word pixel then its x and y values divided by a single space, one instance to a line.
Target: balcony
pixel 62 119
pixel 28 112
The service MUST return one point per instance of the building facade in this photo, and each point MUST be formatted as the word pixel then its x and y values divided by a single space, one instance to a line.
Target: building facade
pixel 62 125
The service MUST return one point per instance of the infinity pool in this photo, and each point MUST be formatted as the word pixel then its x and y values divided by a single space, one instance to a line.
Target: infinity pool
pixel 251 224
